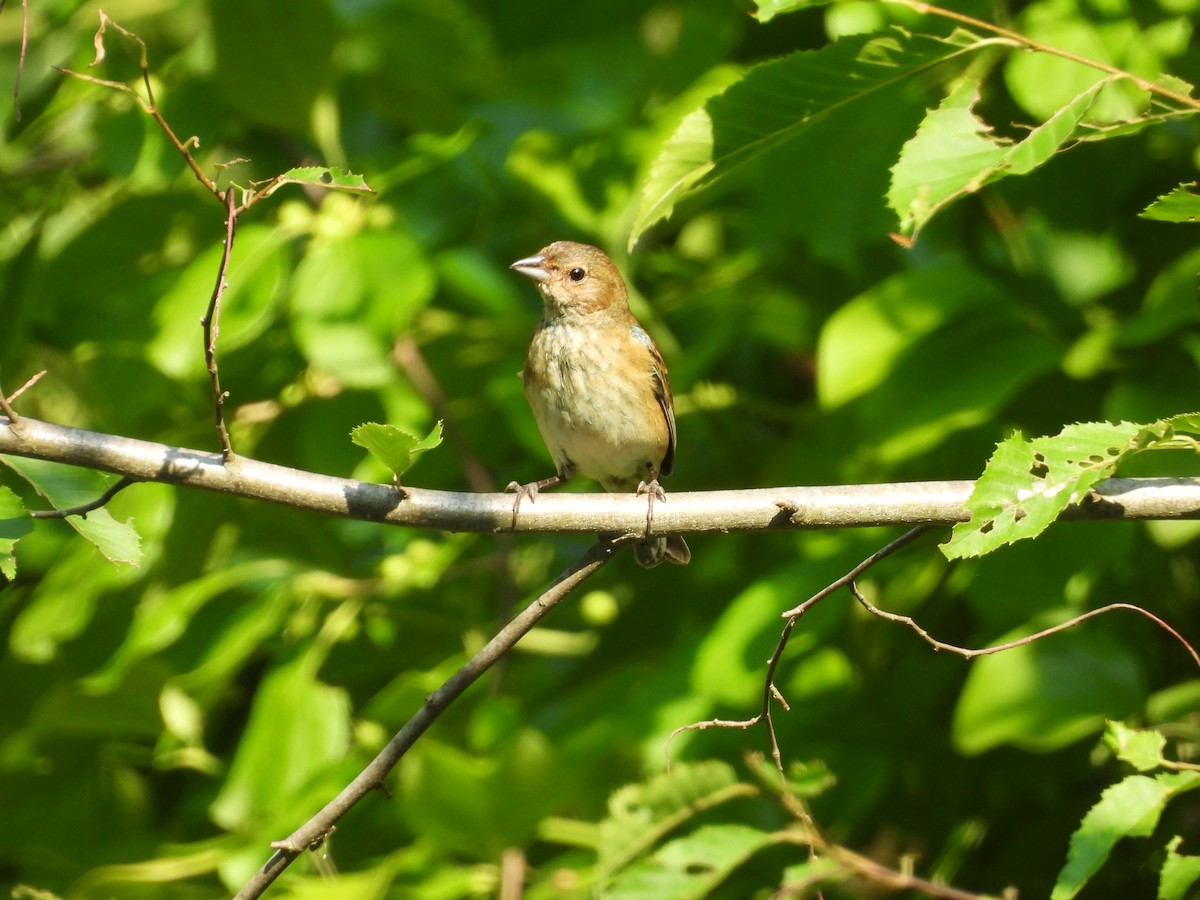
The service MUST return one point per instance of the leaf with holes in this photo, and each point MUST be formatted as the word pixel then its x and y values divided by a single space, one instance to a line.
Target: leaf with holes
pixel 1028 483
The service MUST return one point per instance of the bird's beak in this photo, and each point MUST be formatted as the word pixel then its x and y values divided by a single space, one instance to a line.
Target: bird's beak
pixel 534 267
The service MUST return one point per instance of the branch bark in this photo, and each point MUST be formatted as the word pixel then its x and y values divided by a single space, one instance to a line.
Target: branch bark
pixel 760 509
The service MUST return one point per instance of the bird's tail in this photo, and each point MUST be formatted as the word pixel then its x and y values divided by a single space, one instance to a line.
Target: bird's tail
pixel 672 548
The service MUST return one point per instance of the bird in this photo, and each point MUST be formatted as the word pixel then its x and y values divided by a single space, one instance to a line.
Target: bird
pixel 598 386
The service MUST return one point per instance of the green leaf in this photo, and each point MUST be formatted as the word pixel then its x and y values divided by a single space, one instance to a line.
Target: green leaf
pixel 1028 483
pixel 1128 809
pixel 1180 205
pixel 1178 873
pixel 320 176
pixel 953 153
pixel 691 866
pixel 14 524
pixel 257 273
pixel 777 102
pixel 640 815
pixel 350 295
pixel 68 486
pixel 298 728
pixel 1047 694
pixel 396 449
pixel 1141 748
pixel 769 9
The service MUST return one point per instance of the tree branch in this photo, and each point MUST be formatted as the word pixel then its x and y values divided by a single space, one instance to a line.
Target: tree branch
pixel 313 832
pixel 761 509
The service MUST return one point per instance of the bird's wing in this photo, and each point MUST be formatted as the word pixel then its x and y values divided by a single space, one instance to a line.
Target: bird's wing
pixel 662 393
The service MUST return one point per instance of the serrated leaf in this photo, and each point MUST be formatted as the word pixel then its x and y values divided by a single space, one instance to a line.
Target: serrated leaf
pixel 1180 205
pixel 1028 483
pixel 1179 872
pixel 14 525
pixel 1141 748
pixel 693 865
pixel 69 486
pixel 640 815
pixel 395 448
pixel 954 153
pixel 1130 808
pixel 777 101
pixel 320 176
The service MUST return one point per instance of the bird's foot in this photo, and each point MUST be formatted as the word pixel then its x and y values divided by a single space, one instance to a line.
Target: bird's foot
pixel 653 491
pixel 529 490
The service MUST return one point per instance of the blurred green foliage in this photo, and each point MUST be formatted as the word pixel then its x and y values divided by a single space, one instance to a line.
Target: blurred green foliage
pixel 164 720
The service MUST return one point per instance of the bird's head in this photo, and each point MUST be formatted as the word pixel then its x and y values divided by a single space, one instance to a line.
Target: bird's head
pixel 575 279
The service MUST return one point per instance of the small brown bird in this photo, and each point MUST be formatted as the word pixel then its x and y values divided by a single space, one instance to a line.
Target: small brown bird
pixel 598 385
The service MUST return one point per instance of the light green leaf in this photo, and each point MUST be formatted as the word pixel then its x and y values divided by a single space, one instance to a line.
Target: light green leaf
pixel 691 866
pixel 1141 748
pixel 777 101
pixel 1047 694
pixel 1180 205
pixel 14 524
pixel 954 154
pixel 1027 483
pixel 298 728
pixel 1128 809
pixel 1179 873
pixel 396 449
pixel 319 176
pixel 256 274
pixel 641 815
pixel 769 9
pixel 68 486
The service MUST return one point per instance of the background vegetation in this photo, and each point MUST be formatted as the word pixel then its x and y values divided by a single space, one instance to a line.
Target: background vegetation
pixel 163 722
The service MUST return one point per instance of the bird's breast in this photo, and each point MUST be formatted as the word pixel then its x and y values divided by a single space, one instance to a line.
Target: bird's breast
pixel 592 394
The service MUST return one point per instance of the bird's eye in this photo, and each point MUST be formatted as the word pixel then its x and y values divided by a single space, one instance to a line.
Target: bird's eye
pixel 577 275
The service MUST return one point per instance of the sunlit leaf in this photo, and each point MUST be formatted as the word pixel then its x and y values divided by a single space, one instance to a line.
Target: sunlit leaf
pixel 1028 483
pixel 777 101
pixel 1180 205
pixel 320 176
pixel 14 524
pixel 954 153
pixel 1130 808
pixel 1141 748
pixel 68 486
pixel 1179 872
pixel 395 448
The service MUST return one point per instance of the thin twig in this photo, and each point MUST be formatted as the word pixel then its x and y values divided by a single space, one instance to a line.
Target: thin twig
pixel 770 690
pixel 20 57
pixel 84 508
pixel 971 653
pixel 1142 83
pixel 6 408
pixel 906 538
pixel 212 326
pixel 33 379
pixel 372 777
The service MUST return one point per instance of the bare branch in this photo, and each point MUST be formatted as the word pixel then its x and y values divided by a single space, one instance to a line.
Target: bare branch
pixel 84 508
pixel 316 829
pixel 970 653
pixel 20 57
pixel 211 324
pixel 770 690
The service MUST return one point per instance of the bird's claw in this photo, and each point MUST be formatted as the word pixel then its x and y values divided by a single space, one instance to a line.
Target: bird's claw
pixel 522 491
pixel 653 488
pixel 654 491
